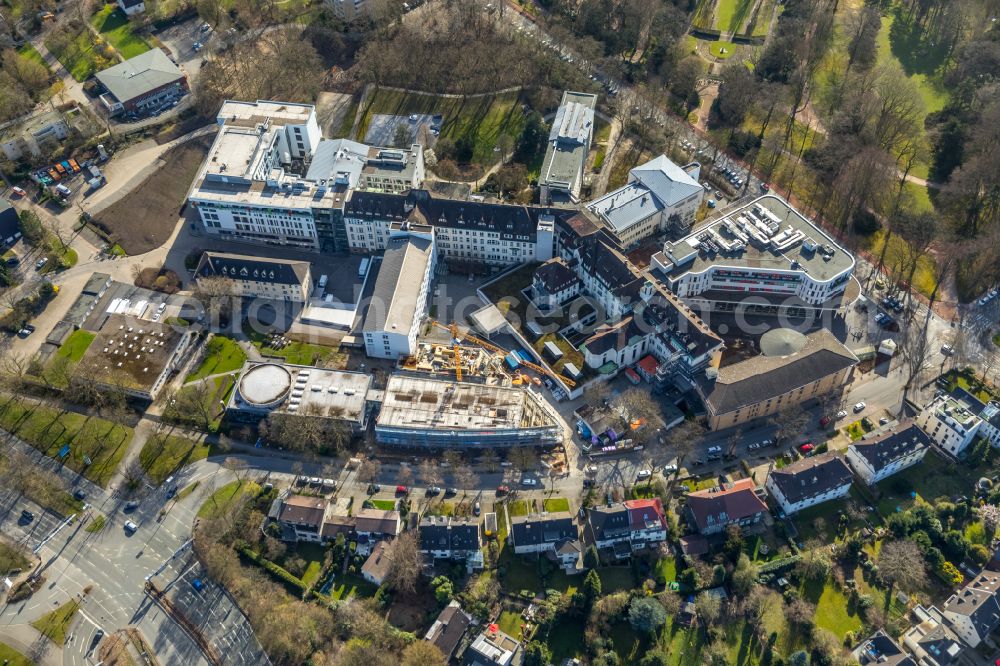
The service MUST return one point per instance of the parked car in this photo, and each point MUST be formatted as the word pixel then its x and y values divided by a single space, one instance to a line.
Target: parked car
pixel 807 447
pixel 130 527
pixel 41 263
pixel 18 191
pixel 79 494
pixel 433 490
pixel 754 446
pixel 859 407
pixel 374 488
pixel 947 350
pixel 883 420
pixel 131 505
pixel 644 474
pixel 402 490
pixel 27 516
pixel 477 509
pixel 529 482
pixel 450 491
pixel 670 469
pixel 825 421
pixel 503 490
pixel 841 414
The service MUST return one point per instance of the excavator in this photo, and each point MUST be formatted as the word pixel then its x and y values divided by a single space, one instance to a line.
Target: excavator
pixel 457 336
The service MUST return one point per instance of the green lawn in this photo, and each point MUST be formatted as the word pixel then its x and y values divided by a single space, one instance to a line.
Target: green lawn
pixel 833 612
pixel 350 585
pixel 221 355
pixel 113 25
pixel 731 14
pixel 78 57
pixel 29 52
pixel 49 430
pixel 510 623
pixel 76 345
pixel 384 505
pixel 929 479
pixel 299 353
pixel 223 499
pixel 55 624
pixel 11 558
pixel 555 504
pixel 566 640
pixel 483 119
pixel 162 455
pixel 915 63
pixel 12 657
pixel 667 568
pixel 615 579
pixel 97 524
pixel 518 508
pixel 721 50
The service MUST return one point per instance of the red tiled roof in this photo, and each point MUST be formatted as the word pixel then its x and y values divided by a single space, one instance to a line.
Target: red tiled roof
pixel 731 502
pixel 648 364
pixel 642 512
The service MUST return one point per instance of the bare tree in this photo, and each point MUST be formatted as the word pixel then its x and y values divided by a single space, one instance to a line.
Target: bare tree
pixel 523 458
pixel 640 413
pixel 430 472
pixel 466 478
pixel 405 476
pixel 369 469
pixel 915 350
pixel 405 563
pixel 789 422
pixel 490 459
pixel 901 563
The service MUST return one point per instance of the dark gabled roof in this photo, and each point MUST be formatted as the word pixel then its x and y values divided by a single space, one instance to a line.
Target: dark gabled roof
pixel 678 324
pixel 608 522
pixel 258 269
pixel 889 447
pixel 600 258
pixel 811 476
pixel 516 220
pixel 725 504
pixel 10 223
pixel 377 521
pixel 975 405
pixel 443 533
pixel 878 649
pixel 554 275
pixel 537 529
pixel 762 377
pixel 614 337
pixel 95 284
pixel 978 602
pixel 302 510
pixel 448 629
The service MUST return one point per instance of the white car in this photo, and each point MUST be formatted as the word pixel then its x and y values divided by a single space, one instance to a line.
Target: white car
pixel 670 469
pixel 841 414
pixel 590 469
pixel 131 527
pixel 529 482
pixel 860 407
pixel 644 474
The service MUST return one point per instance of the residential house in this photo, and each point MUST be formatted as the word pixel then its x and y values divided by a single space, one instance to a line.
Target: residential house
pixel 302 516
pixel 930 641
pixel 809 482
pixel 952 421
pixel 132 7
pixel 258 277
pixel 376 567
pixel 444 537
pixel 491 648
pixel 10 224
pixel 627 527
pixel 990 429
pixel 551 534
pixel 879 457
pixel 973 612
pixel 880 650
pixel 32 135
pixel 711 510
pixel 143 82
pixel 448 629
pixel 553 284
pixel 374 525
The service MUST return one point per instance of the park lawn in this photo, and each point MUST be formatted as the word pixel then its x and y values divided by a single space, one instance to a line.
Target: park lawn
pixel 222 354
pixel 721 49
pixel 76 345
pixel 732 14
pixel 79 60
pixel 113 25
pixel 49 430
pixel 483 119
pixel 223 499
pixel 29 52
pixel 920 198
pixel 162 455
pixel 12 657
pixel 931 89
pixel 384 505
pixel 350 585
pixel 55 624
pixel 554 504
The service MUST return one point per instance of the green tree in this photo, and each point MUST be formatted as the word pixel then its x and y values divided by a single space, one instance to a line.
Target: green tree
pixel 31 227
pixel 655 658
pixel 537 654
pixel 443 589
pixel 591 558
pixel 532 139
pixel 646 614
pixel 591 587
pixel 744 575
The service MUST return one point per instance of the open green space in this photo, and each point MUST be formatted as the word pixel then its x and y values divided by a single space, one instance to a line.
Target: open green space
pixel 29 52
pixel 55 624
pixel 924 278
pixel 554 504
pixel 510 623
pixel 929 479
pixel 226 497
pixel 721 50
pixel 481 119
pixel 518 508
pixel 566 640
pixel 833 612
pixel 299 353
pixel 164 454
pixel 76 55
pixel 113 25
pixel 351 585
pixel 76 345
pixel 820 524
pixel 384 505
pixel 919 62
pixel 222 354
pixel 12 657
pixel 967 380
pixel 84 437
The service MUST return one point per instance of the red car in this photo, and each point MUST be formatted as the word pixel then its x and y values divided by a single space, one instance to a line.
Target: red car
pixel 502 490
pixel 401 490
pixel 807 447
pixel 825 421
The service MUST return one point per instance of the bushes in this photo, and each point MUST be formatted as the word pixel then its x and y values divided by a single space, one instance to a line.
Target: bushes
pixel 293 583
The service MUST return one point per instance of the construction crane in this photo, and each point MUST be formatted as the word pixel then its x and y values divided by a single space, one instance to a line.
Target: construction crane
pixel 468 337
pixel 456 350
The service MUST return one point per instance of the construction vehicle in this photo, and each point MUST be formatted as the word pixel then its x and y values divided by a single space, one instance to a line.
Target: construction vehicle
pixel 468 337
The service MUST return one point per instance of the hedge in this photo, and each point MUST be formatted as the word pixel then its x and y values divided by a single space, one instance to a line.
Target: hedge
pixel 276 571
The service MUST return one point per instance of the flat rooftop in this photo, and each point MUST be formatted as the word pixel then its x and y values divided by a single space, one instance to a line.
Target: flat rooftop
pixel 569 139
pixel 302 389
pixel 417 402
pixel 397 286
pixel 234 112
pixel 766 234
pixel 130 351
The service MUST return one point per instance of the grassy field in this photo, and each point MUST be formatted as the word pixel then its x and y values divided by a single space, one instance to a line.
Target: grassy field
pixel 721 50
pixel 481 118
pixel 76 345
pixel 510 623
pixel 221 355
pixel 556 504
pixel 49 430
pixel 349 585
pixel 833 612
pixel 29 52
pixel 223 499
pixel 384 505
pixel 55 624
pixel 896 258
pixel 916 62
pixel 926 481
pixel 301 353
pixel 518 508
pixel 78 58
pixel 113 25
pixel 12 657
pixel 162 455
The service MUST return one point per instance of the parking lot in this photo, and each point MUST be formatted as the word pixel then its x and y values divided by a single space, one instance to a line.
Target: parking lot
pixel 422 128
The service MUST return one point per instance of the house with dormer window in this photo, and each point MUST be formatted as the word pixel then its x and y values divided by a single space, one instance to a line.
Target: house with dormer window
pixel 711 510
pixel 258 277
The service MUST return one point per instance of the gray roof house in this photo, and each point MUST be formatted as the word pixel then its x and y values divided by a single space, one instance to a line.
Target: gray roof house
pixel 141 79
pixel 538 533
pixel 809 482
